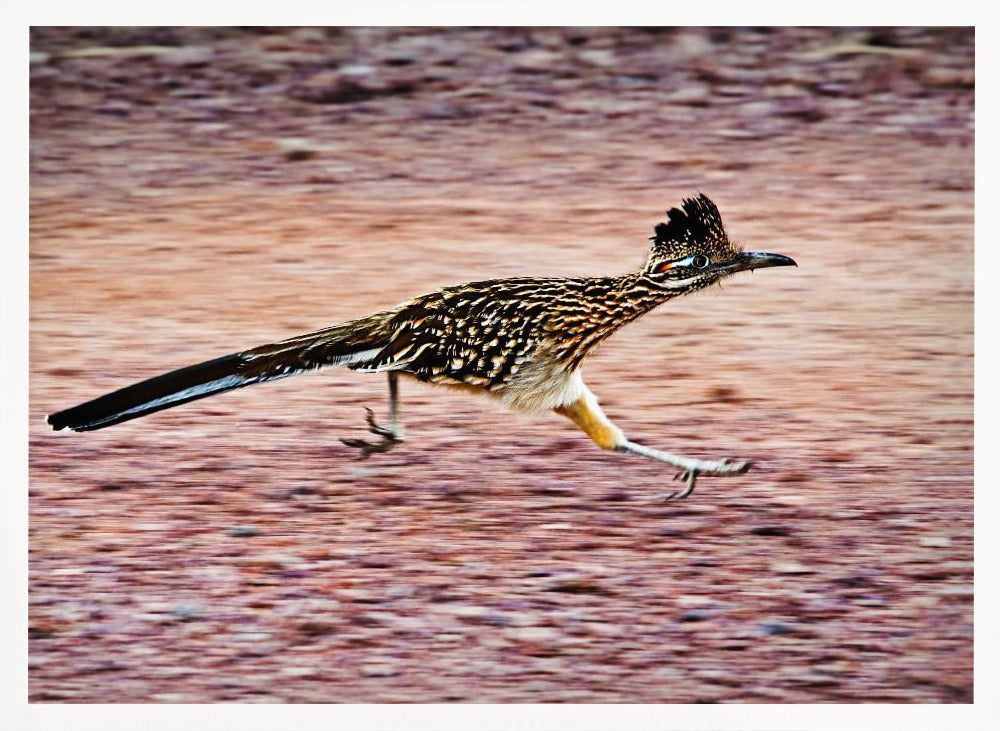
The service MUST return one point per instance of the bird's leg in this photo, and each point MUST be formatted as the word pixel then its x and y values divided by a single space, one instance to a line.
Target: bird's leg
pixel 391 435
pixel 586 413
pixel 689 468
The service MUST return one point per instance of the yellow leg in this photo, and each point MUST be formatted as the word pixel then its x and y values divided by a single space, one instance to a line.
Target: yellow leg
pixel 586 413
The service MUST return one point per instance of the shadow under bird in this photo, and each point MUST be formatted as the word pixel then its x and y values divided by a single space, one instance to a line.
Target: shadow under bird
pixel 521 340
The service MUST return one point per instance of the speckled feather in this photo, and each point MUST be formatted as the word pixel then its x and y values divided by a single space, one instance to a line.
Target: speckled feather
pixel 697 223
pixel 520 339
pixel 484 334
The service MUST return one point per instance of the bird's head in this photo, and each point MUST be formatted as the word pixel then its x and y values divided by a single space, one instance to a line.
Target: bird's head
pixel 692 251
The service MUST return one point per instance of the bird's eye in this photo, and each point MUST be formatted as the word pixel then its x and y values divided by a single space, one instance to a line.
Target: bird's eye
pixel 699 261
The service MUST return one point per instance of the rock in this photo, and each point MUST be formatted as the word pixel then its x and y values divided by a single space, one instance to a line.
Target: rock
pixel 603 58
pixel 801 107
pixel 541 635
pixel 693 94
pixel 695 600
pixel 357 70
pixel 115 108
pixel 694 615
pixel 186 611
pixel 870 601
pixel 535 61
pixel 775 628
pixel 692 43
pixel 935 542
pixel 949 77
pixel 347 85
pixel 189 56
pixel 171 698
pixel 790 567
pixel 791 500
pixel 465 611
pixel 252 636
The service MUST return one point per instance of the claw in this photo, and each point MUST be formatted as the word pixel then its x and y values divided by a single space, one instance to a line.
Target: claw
pixel 365 448
pixel 689 477
pixel 374 428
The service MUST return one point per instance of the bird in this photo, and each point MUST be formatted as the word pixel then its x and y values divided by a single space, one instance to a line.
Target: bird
pixel 520 340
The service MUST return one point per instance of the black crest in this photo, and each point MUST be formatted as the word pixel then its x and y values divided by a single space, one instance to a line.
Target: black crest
pixel 699 221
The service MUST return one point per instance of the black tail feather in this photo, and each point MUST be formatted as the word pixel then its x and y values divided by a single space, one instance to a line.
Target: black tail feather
pixel 346 344
pixel 162 392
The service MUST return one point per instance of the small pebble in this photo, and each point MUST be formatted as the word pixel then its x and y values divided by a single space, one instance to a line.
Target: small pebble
pixel 533 634
pixel 790 567
pixel 935 542
pixel 775 628
pixel 694 615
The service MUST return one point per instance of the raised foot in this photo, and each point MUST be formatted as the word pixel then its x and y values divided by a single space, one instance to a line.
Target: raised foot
pixel 690 473
pixel 689 468
pixel 390 438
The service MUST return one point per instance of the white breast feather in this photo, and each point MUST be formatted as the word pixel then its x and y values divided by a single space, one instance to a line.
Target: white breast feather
pixel 542 385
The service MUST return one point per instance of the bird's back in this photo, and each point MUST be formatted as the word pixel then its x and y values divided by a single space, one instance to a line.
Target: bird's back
pixel 499 333
pixel 478 334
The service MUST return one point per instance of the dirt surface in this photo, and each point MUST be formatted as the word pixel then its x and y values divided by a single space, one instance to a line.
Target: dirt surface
pixel 195 192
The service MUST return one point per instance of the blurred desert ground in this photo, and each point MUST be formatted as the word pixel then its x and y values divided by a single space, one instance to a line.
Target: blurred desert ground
pixel 197 191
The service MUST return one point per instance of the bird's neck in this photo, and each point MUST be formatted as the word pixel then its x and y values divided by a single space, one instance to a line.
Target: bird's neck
pixel 605 305
pixel 629 296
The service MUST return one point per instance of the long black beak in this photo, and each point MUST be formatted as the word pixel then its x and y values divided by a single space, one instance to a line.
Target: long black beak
pixel 758 260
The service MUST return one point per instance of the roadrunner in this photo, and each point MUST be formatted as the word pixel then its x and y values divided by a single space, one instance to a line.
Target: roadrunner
pixel 521 340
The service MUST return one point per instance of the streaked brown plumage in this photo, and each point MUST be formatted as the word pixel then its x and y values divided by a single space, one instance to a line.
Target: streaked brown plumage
pixel 521 340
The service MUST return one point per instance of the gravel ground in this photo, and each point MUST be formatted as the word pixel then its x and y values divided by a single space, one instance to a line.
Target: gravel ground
pixel 197 191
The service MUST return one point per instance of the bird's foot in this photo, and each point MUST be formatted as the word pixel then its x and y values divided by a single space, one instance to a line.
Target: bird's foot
pixel 390 438
pixel 689 477
pixel 689 473
pixel 690 469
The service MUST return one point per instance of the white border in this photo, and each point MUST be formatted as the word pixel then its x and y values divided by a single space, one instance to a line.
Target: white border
pixel 18 15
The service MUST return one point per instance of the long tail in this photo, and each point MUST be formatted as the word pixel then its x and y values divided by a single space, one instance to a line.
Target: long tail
pixel 353 344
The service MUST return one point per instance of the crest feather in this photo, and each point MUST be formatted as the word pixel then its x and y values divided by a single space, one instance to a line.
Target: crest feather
pixel 697 220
